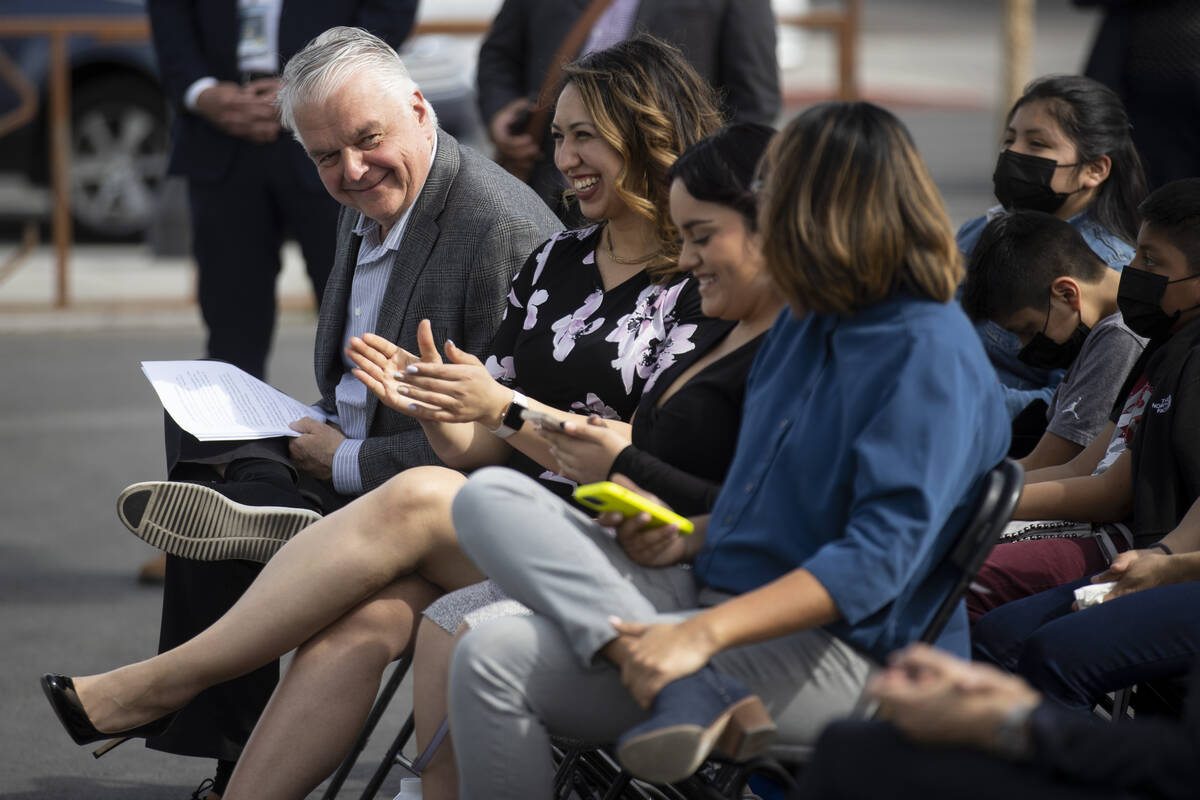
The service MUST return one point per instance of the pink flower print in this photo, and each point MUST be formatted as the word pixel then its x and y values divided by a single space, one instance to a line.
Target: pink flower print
pixel 535 300
pixel 502 369
pixel 554 477
pixel 539 262
pixel 590 258
pixel 652 317
pixel 594 405
pixel 662 355
pixel 568 329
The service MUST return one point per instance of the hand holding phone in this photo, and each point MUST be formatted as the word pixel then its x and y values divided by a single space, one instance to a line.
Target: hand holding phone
pixel 608 496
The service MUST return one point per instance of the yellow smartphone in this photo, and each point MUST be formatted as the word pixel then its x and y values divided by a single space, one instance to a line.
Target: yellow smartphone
pixel 608 496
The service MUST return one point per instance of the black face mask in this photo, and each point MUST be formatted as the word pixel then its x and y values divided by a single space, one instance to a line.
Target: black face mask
pixel 1045 353
pixel 1022 181
pixel 1139 296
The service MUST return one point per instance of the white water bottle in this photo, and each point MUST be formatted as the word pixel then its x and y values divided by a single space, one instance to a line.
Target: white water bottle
pixel 410 789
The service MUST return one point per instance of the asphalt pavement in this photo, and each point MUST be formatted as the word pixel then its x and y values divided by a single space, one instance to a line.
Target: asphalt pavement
pixel 78 422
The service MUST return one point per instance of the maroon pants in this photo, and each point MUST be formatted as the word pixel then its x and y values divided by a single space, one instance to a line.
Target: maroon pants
pixel 1020 569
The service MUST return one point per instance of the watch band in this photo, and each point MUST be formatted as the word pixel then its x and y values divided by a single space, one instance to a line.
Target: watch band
pixel 511 422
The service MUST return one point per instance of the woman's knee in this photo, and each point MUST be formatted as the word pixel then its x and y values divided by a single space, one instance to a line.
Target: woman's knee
pixel 480 499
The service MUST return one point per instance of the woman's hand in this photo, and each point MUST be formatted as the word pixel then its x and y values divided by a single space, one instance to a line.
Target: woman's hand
pixel 1135 570
pixel 661 546
pixel 585 453
pixel 655 655
pixel 459 391
pixel 378 361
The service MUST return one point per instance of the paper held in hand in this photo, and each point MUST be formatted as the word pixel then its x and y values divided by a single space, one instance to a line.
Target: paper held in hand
pixel 215 401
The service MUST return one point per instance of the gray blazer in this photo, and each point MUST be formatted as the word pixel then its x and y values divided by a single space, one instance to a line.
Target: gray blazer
pixel 472 228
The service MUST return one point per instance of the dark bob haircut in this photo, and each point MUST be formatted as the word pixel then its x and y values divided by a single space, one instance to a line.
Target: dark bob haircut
pixel 722 168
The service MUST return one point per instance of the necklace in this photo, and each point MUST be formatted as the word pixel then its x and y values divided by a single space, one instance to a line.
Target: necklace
pixel 627 261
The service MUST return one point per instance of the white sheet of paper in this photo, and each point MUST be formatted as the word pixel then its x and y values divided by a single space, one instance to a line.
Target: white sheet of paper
pixel 216 401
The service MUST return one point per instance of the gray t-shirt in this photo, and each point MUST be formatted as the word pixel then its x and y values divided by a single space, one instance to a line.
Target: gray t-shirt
pixel 1084 400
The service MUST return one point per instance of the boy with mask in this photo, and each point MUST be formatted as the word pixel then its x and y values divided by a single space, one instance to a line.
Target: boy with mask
pixel 1035 276
pixel 1156 479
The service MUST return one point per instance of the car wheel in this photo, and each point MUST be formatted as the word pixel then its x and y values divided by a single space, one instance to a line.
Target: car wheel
pixel 118 156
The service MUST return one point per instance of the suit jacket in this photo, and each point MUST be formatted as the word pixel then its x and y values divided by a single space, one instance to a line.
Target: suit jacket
pixel 198 38
pixel 472 227
pixel 730 43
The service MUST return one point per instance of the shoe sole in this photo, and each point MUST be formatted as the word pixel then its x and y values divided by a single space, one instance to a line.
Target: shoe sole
pixel 671 754
pixel 192 521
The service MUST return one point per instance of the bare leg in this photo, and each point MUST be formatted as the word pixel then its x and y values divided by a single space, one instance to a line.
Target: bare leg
pixel 322 701
pixel 431 676
pixel 401 528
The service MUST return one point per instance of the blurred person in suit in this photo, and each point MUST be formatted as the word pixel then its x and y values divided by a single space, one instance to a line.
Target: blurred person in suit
pixel 730 43
pixel 1148 52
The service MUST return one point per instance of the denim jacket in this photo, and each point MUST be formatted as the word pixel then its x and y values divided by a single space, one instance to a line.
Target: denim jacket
pixel 1022 383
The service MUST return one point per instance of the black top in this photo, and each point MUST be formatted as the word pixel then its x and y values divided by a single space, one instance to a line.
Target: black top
pixel 1166 447
pixel 572 345
pixel 682 450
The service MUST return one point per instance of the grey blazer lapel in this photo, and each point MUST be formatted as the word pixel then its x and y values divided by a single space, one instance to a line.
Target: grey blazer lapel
pixel 420 235
pixel 331 319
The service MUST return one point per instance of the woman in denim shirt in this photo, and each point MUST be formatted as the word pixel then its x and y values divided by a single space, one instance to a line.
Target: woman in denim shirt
pixel 1067 151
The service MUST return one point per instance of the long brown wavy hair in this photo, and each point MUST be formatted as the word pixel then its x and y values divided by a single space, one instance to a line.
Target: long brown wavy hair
pixel 649 105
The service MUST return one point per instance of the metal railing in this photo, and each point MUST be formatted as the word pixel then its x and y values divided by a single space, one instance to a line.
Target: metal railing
pixel 843 21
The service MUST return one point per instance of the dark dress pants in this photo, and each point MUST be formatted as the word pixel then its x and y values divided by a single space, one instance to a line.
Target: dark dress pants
pixel 269 192
pixel 1074 657
pixel 219 720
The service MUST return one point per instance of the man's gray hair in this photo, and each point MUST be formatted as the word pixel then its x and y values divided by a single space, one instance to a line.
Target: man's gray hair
pixel 330 60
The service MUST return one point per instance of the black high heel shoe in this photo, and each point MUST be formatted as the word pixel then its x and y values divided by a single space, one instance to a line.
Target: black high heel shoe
pixel 60 691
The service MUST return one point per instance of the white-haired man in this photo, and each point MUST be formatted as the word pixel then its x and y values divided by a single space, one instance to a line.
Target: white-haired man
pixel 429 230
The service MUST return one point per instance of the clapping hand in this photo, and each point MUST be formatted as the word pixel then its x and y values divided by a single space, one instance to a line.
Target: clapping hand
pixel 379 361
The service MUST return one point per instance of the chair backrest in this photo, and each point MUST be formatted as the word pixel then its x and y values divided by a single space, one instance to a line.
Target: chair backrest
pixel 1001 490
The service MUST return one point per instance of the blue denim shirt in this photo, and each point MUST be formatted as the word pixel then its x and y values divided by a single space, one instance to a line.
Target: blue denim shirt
pixel 1022 383
pixel 860 454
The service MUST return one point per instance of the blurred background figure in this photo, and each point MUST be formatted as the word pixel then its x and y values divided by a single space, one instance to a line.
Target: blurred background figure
pixel 1148 52
pixel 731 43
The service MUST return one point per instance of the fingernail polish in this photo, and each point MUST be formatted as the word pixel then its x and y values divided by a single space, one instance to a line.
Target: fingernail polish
pixel 411 368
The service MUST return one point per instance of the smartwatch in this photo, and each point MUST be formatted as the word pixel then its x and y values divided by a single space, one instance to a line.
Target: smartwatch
pixel 511 422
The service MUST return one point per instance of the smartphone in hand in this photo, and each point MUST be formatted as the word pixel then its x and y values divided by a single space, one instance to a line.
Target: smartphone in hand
pixel 545 420
pixel 608 496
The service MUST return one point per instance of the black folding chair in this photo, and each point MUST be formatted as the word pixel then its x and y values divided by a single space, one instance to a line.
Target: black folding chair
pixel 997 500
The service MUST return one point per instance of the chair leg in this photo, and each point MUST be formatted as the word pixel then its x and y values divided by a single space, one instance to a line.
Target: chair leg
pixel 389 759
pixel 381 704
pixel 1121 700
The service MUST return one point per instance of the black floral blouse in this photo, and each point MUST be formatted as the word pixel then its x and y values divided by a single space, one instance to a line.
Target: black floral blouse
pixel 569 343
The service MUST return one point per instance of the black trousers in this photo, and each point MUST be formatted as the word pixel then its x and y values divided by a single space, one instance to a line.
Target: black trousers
pixel 239 223
pixel 219 720
pixel 872 760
